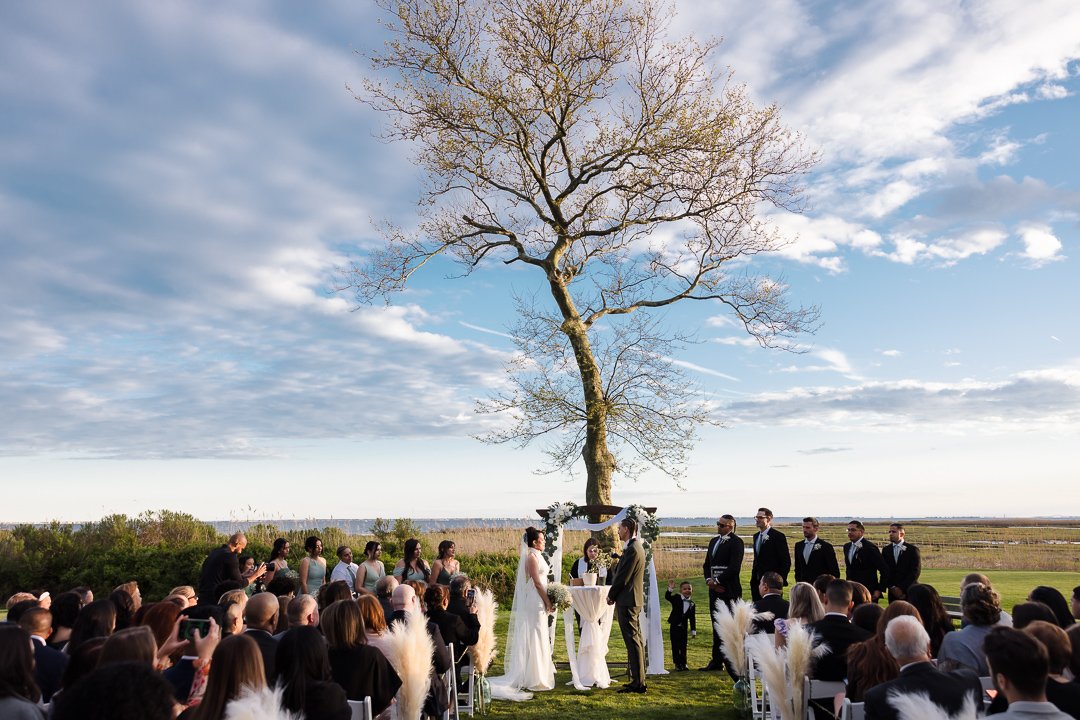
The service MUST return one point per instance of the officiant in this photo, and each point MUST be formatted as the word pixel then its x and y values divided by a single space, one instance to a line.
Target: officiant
pixel 587 564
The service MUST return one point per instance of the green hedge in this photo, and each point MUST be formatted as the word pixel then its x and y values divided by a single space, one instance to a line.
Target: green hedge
pixel 165 549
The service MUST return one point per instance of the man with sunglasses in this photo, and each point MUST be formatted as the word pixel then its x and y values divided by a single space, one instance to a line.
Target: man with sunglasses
pixel 723 561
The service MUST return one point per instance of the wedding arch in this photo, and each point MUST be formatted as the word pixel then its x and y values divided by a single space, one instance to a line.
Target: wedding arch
pixel 557 514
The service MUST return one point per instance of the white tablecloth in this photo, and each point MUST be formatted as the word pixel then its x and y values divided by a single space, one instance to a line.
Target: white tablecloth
pixel 588 663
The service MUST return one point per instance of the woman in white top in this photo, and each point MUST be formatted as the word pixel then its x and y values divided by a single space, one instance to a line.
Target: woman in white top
pixel 346 569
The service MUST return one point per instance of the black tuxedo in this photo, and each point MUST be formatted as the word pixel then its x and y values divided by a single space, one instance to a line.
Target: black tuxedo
pixel 678 620
pixel 770 556
pixel 947 689
pixel 773 603
pixel 867 567
pixel 267 646
pixel 49 665
pixel 454 630
pixel 902 573
pixel 838 632
pixel 822 561
pixel 726 557
pixel 220 565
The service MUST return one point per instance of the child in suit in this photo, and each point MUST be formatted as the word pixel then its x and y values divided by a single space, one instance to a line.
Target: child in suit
pixel 683 612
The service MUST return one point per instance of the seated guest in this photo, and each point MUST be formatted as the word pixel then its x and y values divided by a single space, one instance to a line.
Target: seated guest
pixel 963 648
pixel 867 616
pixel 125 608
pixel 805 608
pixel 261 615
pixel 835 628
pixel 346 569
pixel 120 691
pixel 406 601
pixel 770 589
pixel 49 663
pixel 302 668
pixel 133 644
pixel 935 617
pixel 161 619
pixel 446 564
pixel 1028 612
pixel 869 662
pixel 362 670
pixel 1060 691
pixel 19 692
pixel 1019 665
pixel 97 619
pixel 384 590
pixel 821 584
pixel 1074 639
pixel 332 592
pixel 1053 598
pixel 64 610
pixel 453 628
pixel 233 603
pixel 979 578
pixel 131 587
pixel 15 612
pixel 187 592
pixel 860 595
pixel 188 675
pixel 1075 603
pixel 461 603
pixel 909 644
pixel 236 667
pixel 81 663
pixel 374 622
pixel 303 610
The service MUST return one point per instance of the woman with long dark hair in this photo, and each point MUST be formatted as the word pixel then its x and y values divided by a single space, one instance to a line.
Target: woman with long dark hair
pixel 372 569
pixel 19 694
pixel 279 556
pixel 411 566
pixel 362 670
pixel 1056 602
pixel 125 608
pixel 97 619
pixel 302 668
pixel 446 564
pixel 935 618
pixel 312 567
pixel 236 665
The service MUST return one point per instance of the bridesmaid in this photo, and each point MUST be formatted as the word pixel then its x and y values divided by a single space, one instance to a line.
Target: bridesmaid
pixel 312 567
pixel 371 570
pixel 446 565
pixel 412 566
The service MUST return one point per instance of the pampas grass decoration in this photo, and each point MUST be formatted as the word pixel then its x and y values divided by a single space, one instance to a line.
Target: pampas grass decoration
pixel 410 654
pixel 733 625
pixel 785 668
pixel 262 704
pixel 485 649
pixel 919 706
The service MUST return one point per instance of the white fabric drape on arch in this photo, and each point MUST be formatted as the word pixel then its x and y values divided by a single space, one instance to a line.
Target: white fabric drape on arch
pixel 651 628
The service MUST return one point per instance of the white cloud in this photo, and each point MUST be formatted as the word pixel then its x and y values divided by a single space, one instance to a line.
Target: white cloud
pixel 1040 244
pixel 946 250
pixel 891 353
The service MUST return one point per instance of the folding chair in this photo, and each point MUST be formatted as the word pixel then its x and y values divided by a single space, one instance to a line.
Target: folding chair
pixel 819 690
pixel 361 709
pixel 852 711
pixel 450 678
pixel 759 696
pixel 466 703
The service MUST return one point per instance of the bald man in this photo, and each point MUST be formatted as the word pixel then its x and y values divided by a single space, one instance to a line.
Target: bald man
pixel 261 615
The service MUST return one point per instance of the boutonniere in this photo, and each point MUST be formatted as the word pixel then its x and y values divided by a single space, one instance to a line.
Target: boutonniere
pixel 903 548
pixel 817 546
pixel 765 538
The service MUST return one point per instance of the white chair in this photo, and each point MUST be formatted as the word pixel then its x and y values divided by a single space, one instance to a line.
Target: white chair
pixel 450 678
pixel 819 690
pixel 759 696
pixel 361 709
pixel 852 711
pixel 466 703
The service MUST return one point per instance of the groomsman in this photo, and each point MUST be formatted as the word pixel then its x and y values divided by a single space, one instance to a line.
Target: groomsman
pixel 814 556
pixel 902 564
pixel 862 560
pixel 723 561
pixel 771 552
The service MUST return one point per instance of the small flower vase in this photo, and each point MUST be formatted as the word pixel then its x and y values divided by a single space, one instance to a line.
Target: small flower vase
pixel 740 698
pixel 589 578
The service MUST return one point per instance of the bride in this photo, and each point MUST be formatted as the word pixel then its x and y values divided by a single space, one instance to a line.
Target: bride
pixel 528 663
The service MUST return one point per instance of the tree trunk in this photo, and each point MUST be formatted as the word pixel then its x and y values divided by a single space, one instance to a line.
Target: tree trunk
pixel 599 462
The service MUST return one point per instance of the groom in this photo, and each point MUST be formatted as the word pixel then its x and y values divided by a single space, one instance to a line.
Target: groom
pixel 627 594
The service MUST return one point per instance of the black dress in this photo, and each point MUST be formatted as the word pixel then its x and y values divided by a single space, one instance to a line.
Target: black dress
pixel 363 671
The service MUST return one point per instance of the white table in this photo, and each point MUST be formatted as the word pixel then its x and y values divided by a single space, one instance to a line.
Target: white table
pixel 588 663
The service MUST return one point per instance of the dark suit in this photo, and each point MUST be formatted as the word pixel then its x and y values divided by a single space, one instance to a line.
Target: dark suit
pixel 267 646
pixel 822 561
pixel 769 556
pixel 867 567
pixel 628 592
pixel 947 689
pixel 678 620
pixel 454 630
pixel 220 565
pixel 902 573
pixel 49 665
pixel 838 632
pixel 724 560
pixel 773 603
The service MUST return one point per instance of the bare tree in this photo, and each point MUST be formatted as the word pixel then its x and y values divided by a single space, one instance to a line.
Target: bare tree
pixel 570 136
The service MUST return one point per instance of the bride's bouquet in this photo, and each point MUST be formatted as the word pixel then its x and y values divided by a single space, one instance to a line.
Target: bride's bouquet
pixel 560 597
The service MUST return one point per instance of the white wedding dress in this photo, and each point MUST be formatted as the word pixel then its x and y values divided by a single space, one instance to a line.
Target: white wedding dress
pixel 527 661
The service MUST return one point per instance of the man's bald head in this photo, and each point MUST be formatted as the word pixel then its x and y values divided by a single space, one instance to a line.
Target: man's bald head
pixel 404 598
pixel 262 611
pixel 303 610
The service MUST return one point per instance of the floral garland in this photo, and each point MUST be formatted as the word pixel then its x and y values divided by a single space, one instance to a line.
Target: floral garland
pixel 558 515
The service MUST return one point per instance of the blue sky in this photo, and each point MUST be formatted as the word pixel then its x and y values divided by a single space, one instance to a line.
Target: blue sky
pixel 179 181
